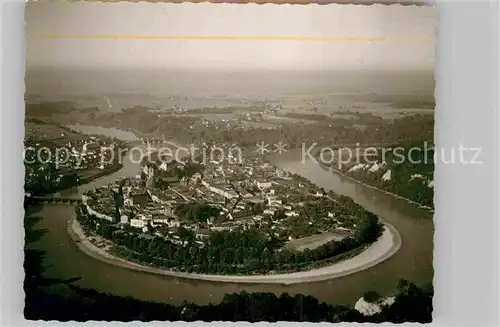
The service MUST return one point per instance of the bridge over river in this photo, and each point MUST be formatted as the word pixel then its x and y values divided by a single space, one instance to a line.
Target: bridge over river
pixel 53 199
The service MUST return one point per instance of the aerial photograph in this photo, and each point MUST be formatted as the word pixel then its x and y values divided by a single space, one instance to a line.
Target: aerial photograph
pixel 229 162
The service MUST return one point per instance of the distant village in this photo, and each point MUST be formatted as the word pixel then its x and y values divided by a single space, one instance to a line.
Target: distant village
pixel 56 158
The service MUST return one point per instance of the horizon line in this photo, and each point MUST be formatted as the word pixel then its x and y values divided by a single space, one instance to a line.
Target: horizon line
pixel 244 37
pixel 423 69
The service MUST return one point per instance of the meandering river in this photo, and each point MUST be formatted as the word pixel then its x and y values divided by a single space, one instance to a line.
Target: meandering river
pixel 413 261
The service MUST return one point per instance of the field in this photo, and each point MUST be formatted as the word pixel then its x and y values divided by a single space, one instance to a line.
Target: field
pixel 313 241
pixel 41 131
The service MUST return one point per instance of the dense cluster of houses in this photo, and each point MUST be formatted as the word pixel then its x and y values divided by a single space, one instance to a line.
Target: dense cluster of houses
pixel 251 195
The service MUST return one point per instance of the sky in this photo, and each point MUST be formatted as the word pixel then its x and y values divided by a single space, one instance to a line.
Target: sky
pixel 346 36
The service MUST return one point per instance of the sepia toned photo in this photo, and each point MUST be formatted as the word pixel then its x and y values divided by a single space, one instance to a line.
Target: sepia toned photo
pixel 230 162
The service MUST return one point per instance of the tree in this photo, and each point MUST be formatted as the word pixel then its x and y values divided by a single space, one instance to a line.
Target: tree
pixel 371 297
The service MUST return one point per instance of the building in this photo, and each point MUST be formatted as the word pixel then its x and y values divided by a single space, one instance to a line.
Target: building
pixel 166 180
pixel 291 214
pixel 283 174
pixel 262 185
pixel 269 212
pixel 98 214
pixel 173 223
pixel 228 194
pixel 150 178
pixel 273 200
pixel 163 166
pixel 139 223
pixel 202 234
pixel 196 178
pixel 168 210
pixel 318 194
pixel 116 217
pixel 140 199
pixel 158 198
pixel 221 228
pixel 256 200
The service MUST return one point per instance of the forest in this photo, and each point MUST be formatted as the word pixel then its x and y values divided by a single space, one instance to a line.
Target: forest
pixel 411 172
pixel 196 211
pixel 324 131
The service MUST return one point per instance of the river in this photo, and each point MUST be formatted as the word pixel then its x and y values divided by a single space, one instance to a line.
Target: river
pixel 413 261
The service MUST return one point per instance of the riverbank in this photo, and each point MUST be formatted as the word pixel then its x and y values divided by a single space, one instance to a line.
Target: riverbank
pixel 430 209
pixel 387 245
pixel 421 206
pixel 82 181
pixel 104 172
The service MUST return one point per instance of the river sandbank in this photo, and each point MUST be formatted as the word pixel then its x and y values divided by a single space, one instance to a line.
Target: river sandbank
pixel 386 246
